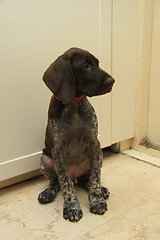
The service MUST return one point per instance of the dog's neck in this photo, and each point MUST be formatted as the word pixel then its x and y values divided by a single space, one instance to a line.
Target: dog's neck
pixel 74 101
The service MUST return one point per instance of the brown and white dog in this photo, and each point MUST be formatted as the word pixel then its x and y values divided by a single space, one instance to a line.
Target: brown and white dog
pixel 72 150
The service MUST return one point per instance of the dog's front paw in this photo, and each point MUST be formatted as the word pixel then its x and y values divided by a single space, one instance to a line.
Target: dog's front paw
pixel 72 211
pixel 98 205
pixel 47 196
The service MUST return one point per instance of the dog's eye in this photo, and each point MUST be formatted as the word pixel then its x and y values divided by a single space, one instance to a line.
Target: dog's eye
pixel 86 66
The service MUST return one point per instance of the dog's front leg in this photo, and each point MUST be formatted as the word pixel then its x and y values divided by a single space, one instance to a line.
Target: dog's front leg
pixel 72 210
pixel 98 204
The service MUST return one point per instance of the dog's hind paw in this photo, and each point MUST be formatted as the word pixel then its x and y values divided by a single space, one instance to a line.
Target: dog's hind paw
pixel 47 196
pixel 105 193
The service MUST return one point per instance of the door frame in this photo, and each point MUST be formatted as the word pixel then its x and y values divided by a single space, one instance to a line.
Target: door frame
pixel 143 78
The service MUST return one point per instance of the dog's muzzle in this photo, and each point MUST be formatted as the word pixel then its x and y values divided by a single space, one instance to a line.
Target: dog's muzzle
pixel 109 84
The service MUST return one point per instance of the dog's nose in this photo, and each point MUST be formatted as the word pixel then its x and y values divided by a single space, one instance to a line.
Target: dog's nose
pixel 110 81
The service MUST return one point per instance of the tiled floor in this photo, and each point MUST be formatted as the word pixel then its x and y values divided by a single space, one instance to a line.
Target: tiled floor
pixel 133 207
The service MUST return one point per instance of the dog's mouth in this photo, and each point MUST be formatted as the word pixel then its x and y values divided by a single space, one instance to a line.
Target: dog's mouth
pixel 109 89
pixel 106 87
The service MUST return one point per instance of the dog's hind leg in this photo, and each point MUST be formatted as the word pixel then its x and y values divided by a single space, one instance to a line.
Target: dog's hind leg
pixel 83 181
pixel 49 194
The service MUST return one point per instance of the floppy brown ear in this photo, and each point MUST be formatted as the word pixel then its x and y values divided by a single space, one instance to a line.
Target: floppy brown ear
pixel 60 80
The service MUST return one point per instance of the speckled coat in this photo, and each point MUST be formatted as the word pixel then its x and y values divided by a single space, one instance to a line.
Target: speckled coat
pixel 72 150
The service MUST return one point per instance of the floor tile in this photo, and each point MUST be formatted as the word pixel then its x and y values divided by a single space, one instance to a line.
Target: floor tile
pixel 133 207
pixel 140 223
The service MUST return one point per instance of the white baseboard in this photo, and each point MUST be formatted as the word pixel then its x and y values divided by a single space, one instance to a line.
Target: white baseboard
pixel 19 166
pixel 143 157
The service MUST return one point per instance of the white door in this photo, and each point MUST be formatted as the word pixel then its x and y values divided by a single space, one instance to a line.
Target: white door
pixel 33 34
pixel 153 134
pixel 125 27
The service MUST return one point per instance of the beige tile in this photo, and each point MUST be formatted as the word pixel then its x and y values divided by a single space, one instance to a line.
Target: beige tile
pixel 130 182
pixel 141 223
pixel 133 206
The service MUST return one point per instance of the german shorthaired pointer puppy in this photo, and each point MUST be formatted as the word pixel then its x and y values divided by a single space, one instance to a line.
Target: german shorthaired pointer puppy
pixel 72 150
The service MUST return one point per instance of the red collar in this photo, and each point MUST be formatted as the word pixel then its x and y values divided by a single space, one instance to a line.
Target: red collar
pixel 74 101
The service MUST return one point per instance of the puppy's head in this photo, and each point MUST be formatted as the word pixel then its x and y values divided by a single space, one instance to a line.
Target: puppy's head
pixel 77 73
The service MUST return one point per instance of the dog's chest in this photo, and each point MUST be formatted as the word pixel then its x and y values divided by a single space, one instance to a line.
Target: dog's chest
pixel 79 123
pixel 75 130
